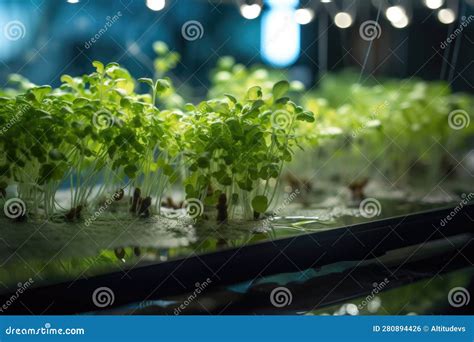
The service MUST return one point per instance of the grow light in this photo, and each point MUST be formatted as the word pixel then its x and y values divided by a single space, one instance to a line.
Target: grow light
pixel 280 42
pixel 250 11
pixel 304 16
pixel 403 22
pixel 446 16
pixel 395 13
pixel 433 4
pixel 397 16
pixel 155 5
pixel 343 20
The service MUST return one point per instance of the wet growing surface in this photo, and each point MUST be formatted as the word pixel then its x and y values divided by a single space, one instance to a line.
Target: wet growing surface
pixel 51 252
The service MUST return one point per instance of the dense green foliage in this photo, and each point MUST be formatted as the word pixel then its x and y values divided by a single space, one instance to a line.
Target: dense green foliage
pixel 238 147
pixel 395 130
pixel 100 136
pixel 103 138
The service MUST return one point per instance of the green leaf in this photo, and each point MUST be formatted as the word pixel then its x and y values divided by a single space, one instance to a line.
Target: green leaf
pixel 162 85
pixel 305 116
pixel 67 79
pixel 111 67
pixel 148 81
pixel 245 184
pixel 282 100
pixel 46 173
pixel 254 93
pixel 189 189
pixel 168 170
pixel 99 66
pixel 130 170
pixel 260 204
pixel 256 105
pixel 231 98
pixel 203 162
pixel 41 92
pixel 234 127
pixel 80 102
pixel 160 48
pixel 280 89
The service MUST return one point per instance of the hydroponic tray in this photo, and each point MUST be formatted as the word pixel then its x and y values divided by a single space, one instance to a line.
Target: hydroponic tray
pixel 430 267
pixel 229 266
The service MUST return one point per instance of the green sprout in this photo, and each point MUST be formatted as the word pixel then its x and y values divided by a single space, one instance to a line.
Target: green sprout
pixel 239 148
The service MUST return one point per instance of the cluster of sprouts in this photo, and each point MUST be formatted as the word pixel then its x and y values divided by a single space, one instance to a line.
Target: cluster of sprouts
pixel 102 139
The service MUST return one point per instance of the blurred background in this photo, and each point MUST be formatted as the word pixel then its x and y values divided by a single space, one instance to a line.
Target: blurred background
pixel 429 39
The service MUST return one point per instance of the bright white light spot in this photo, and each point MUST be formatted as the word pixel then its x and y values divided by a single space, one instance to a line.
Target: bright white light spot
pixel 280 44
pixel 343 20
pixel 326 1
pixel 250 11
pixel 434 4
pixel 304 16
pixel 155 5
pixel 446 16
pixel 395 13
pixel 352 309
pixel 73 1
pixel 282 3
pixel 403 22
pixel 374 305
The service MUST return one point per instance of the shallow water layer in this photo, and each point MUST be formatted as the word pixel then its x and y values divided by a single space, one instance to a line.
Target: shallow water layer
pixel 50 252
pixel 359 286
